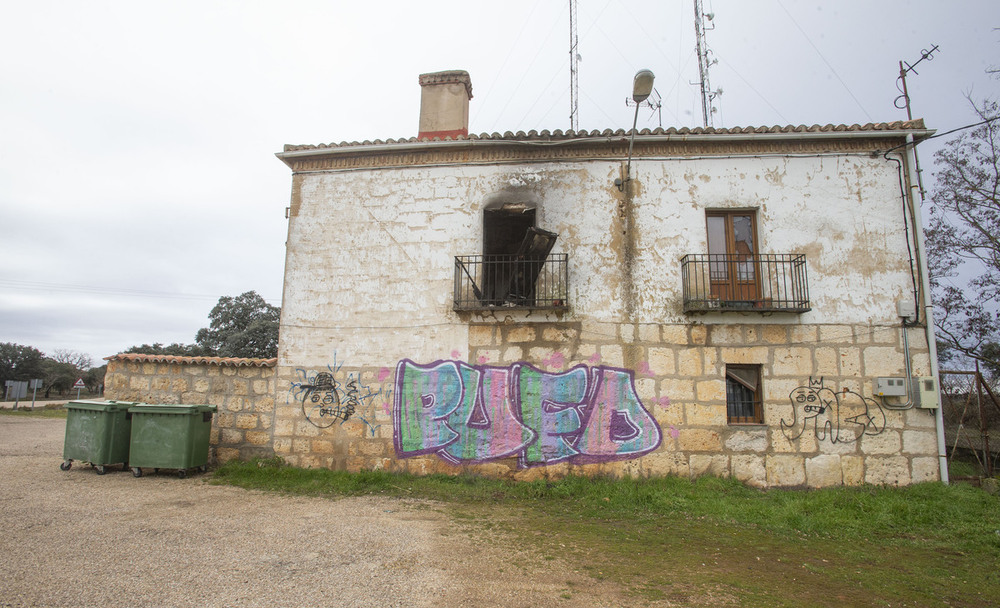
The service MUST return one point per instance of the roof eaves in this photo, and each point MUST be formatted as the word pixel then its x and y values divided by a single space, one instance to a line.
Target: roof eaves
pixel 914 127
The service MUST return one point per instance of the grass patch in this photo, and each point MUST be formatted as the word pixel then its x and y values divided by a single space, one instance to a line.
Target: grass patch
pixel 57 411
pixel 964 468
pixel 713 538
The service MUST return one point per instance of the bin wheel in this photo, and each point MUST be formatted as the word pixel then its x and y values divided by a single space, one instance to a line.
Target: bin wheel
pixel 100 469
pixel 203 468
pixel 136 472
pixel 66 465
pixel 181 474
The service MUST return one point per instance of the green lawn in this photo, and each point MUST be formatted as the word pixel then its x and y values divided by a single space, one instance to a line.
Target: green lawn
pixel 712 541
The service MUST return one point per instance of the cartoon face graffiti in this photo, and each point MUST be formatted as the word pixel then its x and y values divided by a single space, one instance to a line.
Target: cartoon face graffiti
pixel 840 417
pixel 321 401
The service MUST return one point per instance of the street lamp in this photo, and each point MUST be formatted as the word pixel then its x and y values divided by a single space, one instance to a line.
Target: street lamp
pixel 642 86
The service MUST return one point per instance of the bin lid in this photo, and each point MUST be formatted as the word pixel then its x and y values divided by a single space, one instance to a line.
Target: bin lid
pixel 170 408
pixel 101 406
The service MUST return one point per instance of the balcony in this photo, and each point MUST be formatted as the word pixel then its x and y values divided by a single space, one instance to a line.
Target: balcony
pixel 745 283
pixel 484 282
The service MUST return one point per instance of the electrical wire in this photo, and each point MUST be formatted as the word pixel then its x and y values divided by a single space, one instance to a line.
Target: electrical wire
pixel 752 88
pixel 542 94
pixel 949 132
pixel 496 77
pixel 906 229
pixel 815 48
pixel 526 71
pixel 871 333
pixel 115 291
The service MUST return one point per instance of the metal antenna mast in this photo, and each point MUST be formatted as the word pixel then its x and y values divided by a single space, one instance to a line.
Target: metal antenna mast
pixel 707 94
pixel 574 66
pixel 904 98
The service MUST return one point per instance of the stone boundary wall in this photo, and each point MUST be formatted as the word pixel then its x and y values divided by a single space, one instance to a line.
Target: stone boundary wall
pixel 241 389
pixel 678 376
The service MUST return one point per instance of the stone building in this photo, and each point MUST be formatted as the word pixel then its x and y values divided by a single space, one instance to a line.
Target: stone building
pixel 724 302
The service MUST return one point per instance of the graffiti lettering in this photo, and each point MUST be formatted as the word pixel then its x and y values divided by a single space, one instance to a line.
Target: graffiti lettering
pixel 466 413
pixel 840 417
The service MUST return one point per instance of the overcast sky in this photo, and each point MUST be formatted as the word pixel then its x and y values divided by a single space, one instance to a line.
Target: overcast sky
pixel 138 182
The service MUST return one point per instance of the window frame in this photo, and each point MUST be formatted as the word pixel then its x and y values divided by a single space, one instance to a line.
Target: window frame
pixel 740 280
pixel 757 418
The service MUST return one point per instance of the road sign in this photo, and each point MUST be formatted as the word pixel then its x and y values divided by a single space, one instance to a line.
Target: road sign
pixel 78 383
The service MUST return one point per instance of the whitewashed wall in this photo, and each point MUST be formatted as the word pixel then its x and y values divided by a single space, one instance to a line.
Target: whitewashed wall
pixel 375 249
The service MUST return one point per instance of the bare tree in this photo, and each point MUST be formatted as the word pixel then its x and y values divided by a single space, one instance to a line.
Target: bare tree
pixel 963 239
pixel 78 360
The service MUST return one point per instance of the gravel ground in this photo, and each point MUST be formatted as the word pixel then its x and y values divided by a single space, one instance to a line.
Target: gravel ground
pixel 78 539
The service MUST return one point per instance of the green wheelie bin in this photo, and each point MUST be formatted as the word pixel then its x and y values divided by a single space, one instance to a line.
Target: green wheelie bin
pixel 170 437
pixel 97 432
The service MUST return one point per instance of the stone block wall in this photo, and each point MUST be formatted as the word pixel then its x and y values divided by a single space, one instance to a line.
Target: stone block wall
pixel 241 389
pixel 336 417
pixel 677 374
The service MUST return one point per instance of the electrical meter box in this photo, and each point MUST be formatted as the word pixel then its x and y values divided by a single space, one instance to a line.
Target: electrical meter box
pixel 890 387
pixel 907 310
pixel 925 389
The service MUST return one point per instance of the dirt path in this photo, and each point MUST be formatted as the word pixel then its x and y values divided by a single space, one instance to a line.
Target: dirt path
pixel 78 539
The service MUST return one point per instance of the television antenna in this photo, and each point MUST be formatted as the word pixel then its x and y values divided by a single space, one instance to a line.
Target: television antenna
pixel 904 98
pixel 707 94
pixel 574 70
pixel 652 102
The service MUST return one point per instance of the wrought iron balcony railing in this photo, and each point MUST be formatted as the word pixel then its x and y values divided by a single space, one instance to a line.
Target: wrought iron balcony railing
pixel 511 281
pixel 737 282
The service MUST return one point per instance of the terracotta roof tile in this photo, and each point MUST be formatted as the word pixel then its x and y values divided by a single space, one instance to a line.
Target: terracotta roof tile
pixel 559 134
pixel 220 361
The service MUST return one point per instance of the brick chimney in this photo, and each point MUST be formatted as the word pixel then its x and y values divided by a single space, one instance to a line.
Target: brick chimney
pixel 444 104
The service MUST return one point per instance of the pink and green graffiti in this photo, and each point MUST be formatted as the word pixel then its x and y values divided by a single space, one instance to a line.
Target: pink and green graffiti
pixel 474 414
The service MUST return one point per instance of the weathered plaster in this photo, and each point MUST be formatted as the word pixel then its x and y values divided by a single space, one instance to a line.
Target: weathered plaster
pixel 370 270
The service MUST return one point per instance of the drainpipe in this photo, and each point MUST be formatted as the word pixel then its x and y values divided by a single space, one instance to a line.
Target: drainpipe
pixel 925 286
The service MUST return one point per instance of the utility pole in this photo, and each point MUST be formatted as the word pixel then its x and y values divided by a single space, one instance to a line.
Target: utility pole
pixel 574 67
pixel 904 69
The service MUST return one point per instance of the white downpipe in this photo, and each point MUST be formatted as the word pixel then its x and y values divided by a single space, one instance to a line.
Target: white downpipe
pixel 925 287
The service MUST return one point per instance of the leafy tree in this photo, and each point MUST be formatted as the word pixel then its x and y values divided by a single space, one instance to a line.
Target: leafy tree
pixel 60 375
pixel 94 378
pixel 963 240
pixel 19 362
pixel 176 349
pixel 244 326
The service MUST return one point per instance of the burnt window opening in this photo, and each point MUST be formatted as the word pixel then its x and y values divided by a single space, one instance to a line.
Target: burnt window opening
pixel 505 227
pixel 515 268
pixel 505 230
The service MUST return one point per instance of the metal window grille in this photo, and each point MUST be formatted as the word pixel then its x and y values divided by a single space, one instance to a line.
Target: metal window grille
pixel 739 282
pixel 743 394
pixel 510 281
